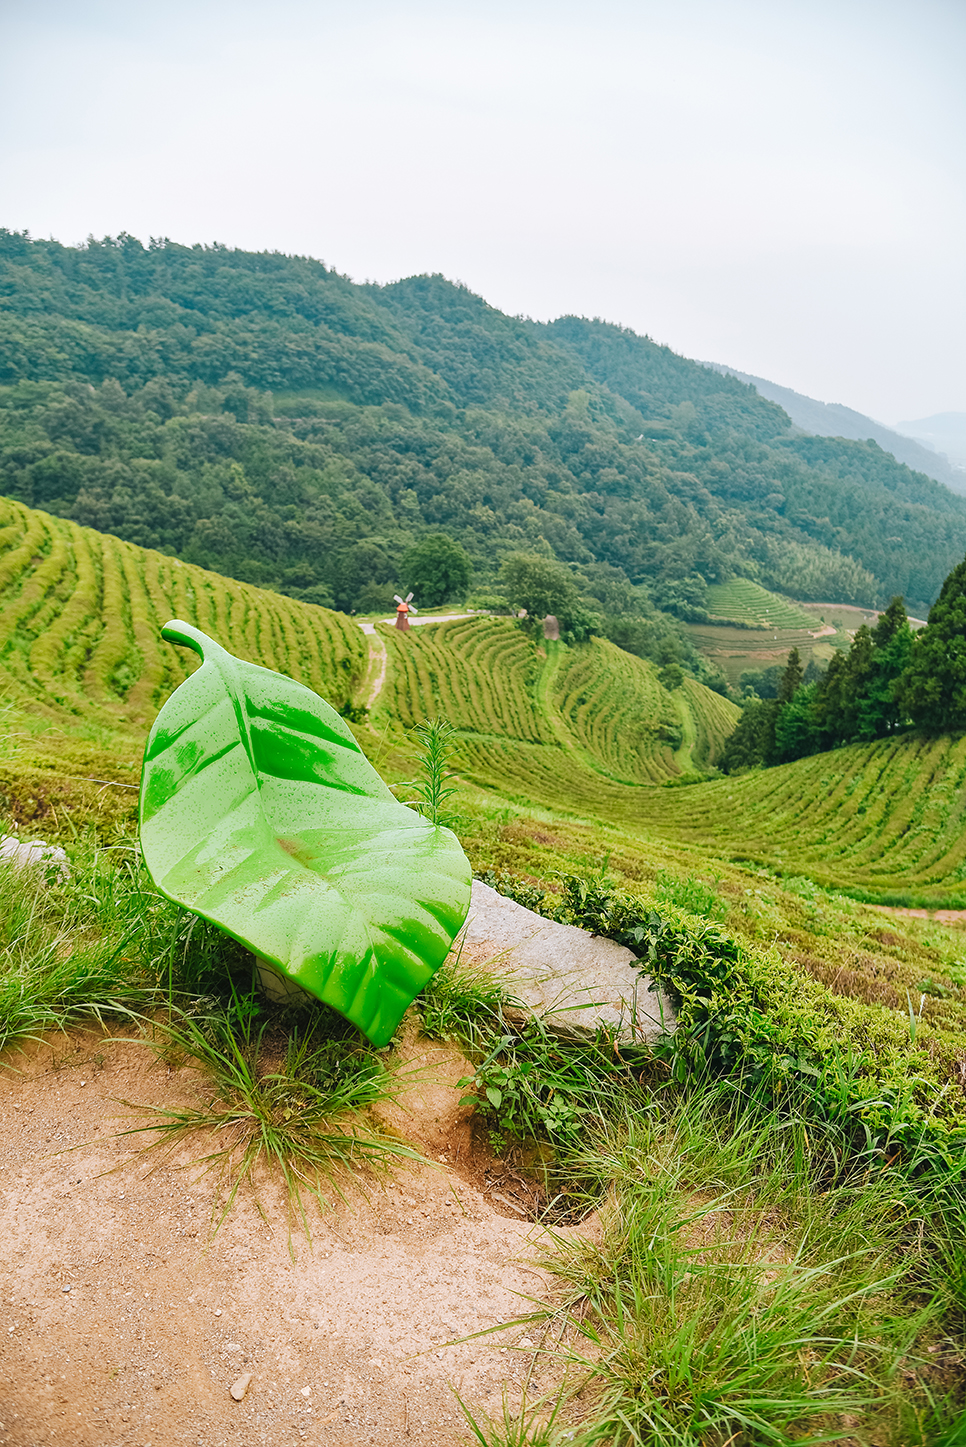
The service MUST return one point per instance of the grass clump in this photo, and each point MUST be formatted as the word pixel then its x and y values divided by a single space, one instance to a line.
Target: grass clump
pixel 88 947
pixel 729 1298
pixel 284 1092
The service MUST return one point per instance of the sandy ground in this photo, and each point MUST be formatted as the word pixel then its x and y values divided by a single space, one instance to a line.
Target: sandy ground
pixel 123 1322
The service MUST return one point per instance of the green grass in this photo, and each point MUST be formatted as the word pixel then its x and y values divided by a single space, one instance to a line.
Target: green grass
pixel 738 1293
pixel 283 1096
pixel 758 1273
pixel 92 949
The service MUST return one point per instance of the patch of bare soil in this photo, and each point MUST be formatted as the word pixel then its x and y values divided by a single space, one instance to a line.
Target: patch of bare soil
pixel 124 1324
pixel 938 916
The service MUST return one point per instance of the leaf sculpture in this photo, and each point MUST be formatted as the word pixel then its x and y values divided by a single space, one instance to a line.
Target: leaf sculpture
pixel 260 812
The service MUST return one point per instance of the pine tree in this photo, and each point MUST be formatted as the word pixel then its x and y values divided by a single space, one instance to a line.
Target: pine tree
pixel 932 687
pixel 791 678
pixel 878 712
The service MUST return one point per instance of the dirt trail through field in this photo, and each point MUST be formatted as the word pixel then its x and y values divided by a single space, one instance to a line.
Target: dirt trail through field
pixel 938 916
pixel 378 660
pixel 124 1325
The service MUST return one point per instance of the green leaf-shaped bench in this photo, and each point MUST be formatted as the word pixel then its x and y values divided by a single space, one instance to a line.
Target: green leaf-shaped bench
pixel 260 812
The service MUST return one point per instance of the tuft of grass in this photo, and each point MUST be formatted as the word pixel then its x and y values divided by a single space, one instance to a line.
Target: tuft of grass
pixel 462 1002
pixel 285 1092
pixel 77 950
pixel 730 1299
pixel 534 1425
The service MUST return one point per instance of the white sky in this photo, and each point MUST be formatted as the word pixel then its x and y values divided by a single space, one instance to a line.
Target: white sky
pixel 775 184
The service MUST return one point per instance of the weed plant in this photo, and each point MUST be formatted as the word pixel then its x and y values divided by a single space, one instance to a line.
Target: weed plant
pixel 436 740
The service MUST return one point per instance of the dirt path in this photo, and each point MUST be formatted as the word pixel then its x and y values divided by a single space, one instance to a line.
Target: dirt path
pixel 122 1325
pixel 378 660
pixel 939 916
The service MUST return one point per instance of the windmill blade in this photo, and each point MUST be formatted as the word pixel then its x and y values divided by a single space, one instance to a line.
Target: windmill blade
pixel 397 597
pixel 409 597
pixel 413 608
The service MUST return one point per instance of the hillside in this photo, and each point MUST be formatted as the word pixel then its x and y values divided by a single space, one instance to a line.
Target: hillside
pixel 82 663
pixel 943 433
pixel 831 419
pixel 589 731
pixel 567 720
pixel 264 417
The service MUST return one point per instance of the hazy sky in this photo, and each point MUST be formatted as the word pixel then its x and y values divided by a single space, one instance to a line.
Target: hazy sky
pixel 775 185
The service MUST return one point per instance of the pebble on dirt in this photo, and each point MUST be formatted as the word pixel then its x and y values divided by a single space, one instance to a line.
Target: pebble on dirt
pixel 241 1386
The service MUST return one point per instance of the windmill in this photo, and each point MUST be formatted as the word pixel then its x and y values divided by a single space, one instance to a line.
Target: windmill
pixel 403 611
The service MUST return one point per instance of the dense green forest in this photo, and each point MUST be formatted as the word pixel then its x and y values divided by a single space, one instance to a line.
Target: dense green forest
pixel 264 416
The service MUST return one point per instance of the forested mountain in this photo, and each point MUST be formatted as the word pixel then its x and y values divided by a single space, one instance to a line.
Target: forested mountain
pixel 265 417
pixel 831 419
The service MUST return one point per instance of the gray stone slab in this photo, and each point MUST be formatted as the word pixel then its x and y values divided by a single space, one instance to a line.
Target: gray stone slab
pixel 569 977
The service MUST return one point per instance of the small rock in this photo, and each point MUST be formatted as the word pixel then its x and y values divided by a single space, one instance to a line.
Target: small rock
pixel 306 1391
pixel 241 1386
pixel 30 853
pixel 218 1311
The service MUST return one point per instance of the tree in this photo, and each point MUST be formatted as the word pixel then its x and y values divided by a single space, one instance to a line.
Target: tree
pixel 796 732
pixel 838 703
pixel 540 585
pixel 753 741
pixel 437 569
pixel 791 680
pixel 879 712
pixel 932 688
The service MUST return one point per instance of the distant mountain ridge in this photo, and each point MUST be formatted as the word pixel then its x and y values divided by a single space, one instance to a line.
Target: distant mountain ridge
pixel 943 432
pixel 264 417
pixel 832 419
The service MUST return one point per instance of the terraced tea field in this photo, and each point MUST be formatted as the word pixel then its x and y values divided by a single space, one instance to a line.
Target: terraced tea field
pixel 588 732
pixel 593 711
pixel 80 620
pixel 746 602
pixel 885 817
